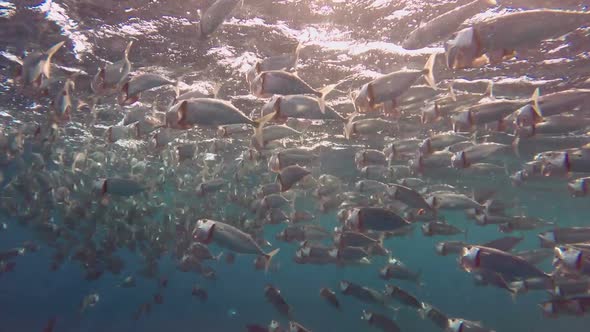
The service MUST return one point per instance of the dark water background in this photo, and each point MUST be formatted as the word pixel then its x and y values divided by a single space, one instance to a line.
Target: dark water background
pixel 341 38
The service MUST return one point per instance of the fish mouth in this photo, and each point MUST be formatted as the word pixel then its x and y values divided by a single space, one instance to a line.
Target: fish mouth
pixel 204 231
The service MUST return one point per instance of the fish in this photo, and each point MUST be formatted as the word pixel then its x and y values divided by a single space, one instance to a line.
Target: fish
pixel 395 269
pixel 35 68
pixel 290 175
pixel 273 295
pixel 380 321
pixel 278 82
pixel 215 112
pixel 443 26
pixel 330 297
pixel 386 89
pixel 361 293
pixel 131 90
pixel 500 36
pixel 286 61
pixel 456 325
pixel 509 266
pixel 230 237
pixel 299 106
pixel 214 16
pixel 402 296
pixel 110 76
pixel 296 327
pixel 373 218
pixel 440 228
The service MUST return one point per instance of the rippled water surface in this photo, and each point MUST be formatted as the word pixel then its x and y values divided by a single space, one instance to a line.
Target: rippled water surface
pixel 346 42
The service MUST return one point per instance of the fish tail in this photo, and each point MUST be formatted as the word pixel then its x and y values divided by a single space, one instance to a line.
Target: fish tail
pixel 322 96
pixel 269 257
pixel 428 71
pixel 50 52
pixel 535 100
pixel 259 124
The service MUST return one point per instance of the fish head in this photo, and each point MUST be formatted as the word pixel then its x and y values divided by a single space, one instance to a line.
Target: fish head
pixel 257 85
pixel 274 326
pixel 578 187
pixel 100 187
pixel 425 147
pixel 342 215
pixel 274 163
pixel 344 285
pixel 367 315
pixel 426 229
pixel 557 164
pixel 526 116
pixel 390 290
pixel 462 121
pixel 432 201
pixel 459 160
pixel 390 152
pixel 293 327
pixel 359 159
pixel 470 258
pixel 441 248
pixel 253 72
pixel 204 231
pixel 455 325
pixel 569 258
pixel 463 50
pixel 334 253
pixel 354 219
pixel 361 101
pixel 518 178
pixel 481 219
pixel 222 132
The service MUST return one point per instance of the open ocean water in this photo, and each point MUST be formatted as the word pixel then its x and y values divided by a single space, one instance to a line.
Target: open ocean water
pixel 345 42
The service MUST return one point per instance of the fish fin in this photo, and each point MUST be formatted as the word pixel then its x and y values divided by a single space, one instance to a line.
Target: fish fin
pixel 269 257
pixel 127 49
pixel 490 90
pixel 216 89
pixel 451 92
pixel 322 100
pixel 297 51
pixel 535 100
pixel 259 124
pixel 428 71
pixel 177 86
pixel 515 144
pixel 218 257
pixel 50 52
pixel 352 95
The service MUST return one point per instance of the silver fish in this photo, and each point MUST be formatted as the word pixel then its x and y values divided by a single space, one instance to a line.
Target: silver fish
pixel 443 26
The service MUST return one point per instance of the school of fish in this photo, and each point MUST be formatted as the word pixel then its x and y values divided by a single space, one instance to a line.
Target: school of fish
pixel 141 160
